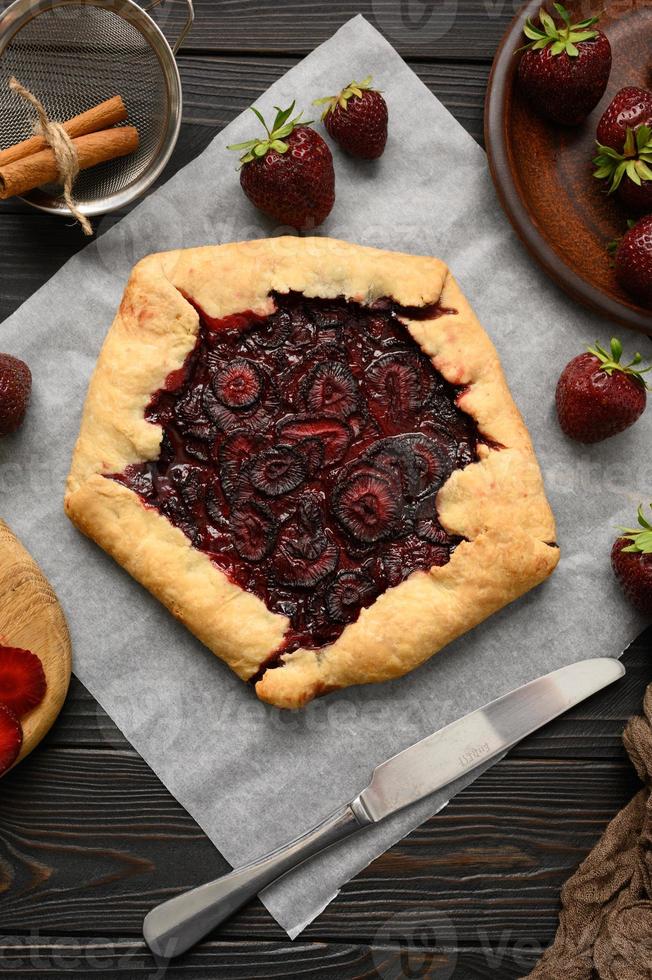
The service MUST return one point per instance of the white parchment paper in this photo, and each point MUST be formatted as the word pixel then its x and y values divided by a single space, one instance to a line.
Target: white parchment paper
pixel 253 776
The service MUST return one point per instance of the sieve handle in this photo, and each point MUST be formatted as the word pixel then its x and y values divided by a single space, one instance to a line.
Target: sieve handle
pixel 190 20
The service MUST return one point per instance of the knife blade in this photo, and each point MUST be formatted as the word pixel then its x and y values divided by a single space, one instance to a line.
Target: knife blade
pixel 413 774
pixel 475 739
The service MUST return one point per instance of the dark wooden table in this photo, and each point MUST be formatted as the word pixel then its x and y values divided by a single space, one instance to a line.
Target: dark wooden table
pixel 90 839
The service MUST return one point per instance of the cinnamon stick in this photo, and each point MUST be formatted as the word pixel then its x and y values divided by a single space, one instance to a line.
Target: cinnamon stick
pixel 41 168
pixel 100 117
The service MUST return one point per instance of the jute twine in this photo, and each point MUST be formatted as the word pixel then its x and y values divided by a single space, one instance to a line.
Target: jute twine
pixel 63 148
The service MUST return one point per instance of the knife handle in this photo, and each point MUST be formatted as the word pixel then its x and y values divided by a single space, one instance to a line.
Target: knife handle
pixel 174 926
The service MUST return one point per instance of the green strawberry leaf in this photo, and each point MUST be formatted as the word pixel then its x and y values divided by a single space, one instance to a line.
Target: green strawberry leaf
pixel 353 89
pixel 563 13
pixel 548 23
pixel 640 537
pixel 242 146
pixel 610 362
pixel 632 162
pixel 282 131
pixel 531 31
pixel 282 116
pixel 259 116
pixel 560 38
pixel 274 139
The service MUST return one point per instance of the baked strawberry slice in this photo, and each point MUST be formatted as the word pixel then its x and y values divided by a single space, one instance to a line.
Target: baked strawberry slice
pixel 11 738
pixel 349 592
pixel 631 559
pixel 565 67
pixel 277 470
pixel 598 396
pixel 254 530
pixel 334 436
pixel 331 390
pixel 399 383
pixel 356 118
pixel 288 173
pixel 22 680
pixel 367 507
pixel 628 170
pixel 307 553
pixel 238 384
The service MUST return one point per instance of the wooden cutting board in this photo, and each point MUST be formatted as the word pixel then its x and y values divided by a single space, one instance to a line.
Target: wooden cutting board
pixel 31 618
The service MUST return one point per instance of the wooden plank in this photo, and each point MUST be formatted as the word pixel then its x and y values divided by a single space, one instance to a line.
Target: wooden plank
pixel 430 29
pixel 90 840
pixel 44 957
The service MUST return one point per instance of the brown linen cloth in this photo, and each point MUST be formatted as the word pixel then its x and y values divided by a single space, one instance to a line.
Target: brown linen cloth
pixel 605 926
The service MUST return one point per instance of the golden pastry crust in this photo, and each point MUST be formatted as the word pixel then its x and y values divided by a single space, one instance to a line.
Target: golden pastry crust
pixel 497 504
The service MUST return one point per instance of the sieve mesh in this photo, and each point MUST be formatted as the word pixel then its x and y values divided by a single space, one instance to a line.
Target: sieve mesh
pixel 73 57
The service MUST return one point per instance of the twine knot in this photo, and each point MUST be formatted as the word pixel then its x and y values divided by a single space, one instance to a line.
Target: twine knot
pixel 61 145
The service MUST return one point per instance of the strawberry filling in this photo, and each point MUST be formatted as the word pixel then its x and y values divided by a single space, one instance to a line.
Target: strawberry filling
pixel 303 451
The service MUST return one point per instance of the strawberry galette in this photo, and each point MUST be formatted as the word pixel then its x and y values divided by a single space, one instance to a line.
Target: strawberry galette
pixel 307 450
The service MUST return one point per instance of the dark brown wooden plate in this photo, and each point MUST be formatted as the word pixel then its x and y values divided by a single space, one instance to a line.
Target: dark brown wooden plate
pixel 542 172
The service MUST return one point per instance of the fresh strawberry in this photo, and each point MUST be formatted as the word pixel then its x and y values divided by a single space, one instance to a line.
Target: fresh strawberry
pixel 357 119
pixel 628 169
pixel 11 738
pixel 15 389
pixel 597 396
pixel 633 261
pixel 630 107
pixel 288 173
pixel 565 68
pixel 22 680
pixel 631 559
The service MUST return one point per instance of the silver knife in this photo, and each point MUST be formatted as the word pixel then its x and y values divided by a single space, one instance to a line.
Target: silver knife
pixel 174 926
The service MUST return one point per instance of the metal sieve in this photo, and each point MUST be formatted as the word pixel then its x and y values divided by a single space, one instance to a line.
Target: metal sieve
pixel 74 54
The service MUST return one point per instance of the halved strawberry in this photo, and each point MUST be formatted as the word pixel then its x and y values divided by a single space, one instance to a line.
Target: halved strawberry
pixel 11 738
pixel 22 680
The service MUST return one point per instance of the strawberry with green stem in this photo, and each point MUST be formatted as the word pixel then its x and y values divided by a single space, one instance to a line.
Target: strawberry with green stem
pixel 356 118
pixel 565 67
pixel 598 396
pixel 631 559
pixel 629 170
pixel 288 173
